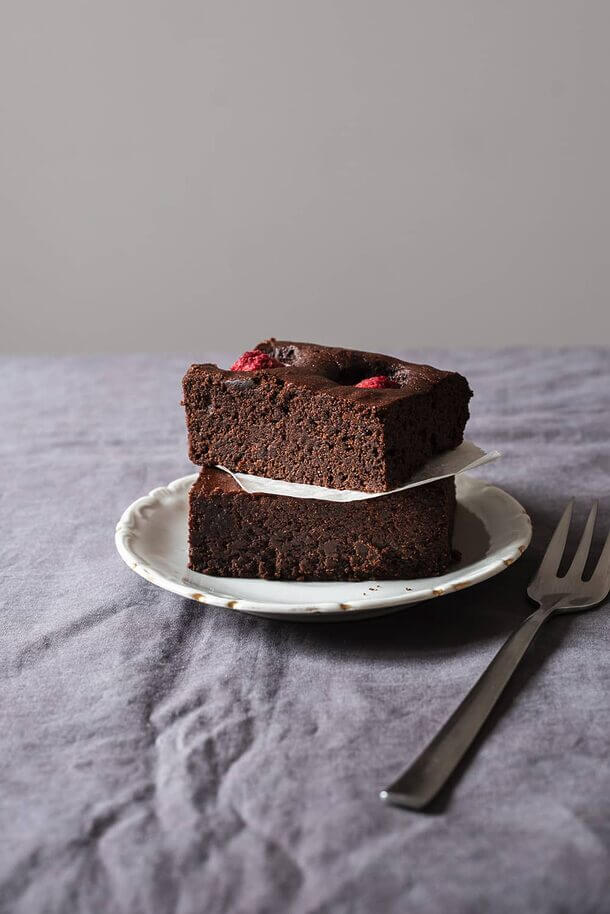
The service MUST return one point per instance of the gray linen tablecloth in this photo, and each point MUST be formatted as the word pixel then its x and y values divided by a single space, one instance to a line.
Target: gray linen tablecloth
pixel 159 755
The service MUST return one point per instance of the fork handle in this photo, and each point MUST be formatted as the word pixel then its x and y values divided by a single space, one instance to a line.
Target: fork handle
pixel 429 772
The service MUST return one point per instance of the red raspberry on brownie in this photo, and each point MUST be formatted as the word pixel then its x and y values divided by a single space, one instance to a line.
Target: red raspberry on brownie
pixel 254 360
pixel 379 382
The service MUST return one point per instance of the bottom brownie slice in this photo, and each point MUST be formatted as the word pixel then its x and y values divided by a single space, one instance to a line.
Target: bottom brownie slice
pixel 235 534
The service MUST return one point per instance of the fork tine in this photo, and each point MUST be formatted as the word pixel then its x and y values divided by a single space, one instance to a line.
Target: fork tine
pixel 601 576
pixel 582 553
pixel 554 550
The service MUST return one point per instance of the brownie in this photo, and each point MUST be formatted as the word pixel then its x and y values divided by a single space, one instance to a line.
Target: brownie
pixel 307 421
pixel 233 533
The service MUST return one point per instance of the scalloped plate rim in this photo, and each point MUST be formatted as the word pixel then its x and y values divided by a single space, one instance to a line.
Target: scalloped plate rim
pixel 470 488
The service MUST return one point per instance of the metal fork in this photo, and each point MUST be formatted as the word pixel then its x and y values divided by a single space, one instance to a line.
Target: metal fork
pixel 421 782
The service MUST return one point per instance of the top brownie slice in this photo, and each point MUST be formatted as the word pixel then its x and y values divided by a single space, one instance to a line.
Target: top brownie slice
pixel 307 421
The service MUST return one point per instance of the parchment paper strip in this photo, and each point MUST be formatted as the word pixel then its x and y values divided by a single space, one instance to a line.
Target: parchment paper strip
pixel 465 457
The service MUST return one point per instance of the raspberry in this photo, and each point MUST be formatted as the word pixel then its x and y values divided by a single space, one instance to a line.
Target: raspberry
pixel 380 382
pixel 254 360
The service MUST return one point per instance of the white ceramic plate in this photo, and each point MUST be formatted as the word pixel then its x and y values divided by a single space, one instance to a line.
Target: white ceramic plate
pixel 492 530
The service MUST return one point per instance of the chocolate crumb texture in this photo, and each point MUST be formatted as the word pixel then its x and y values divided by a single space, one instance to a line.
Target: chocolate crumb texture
pixel 233 533
pixel 327 416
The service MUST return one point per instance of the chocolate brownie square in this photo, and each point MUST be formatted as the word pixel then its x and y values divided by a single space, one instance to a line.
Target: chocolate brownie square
pixel 333 417
pixel 404 535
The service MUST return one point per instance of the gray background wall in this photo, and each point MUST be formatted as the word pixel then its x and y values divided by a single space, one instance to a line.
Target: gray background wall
pixel 184 174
